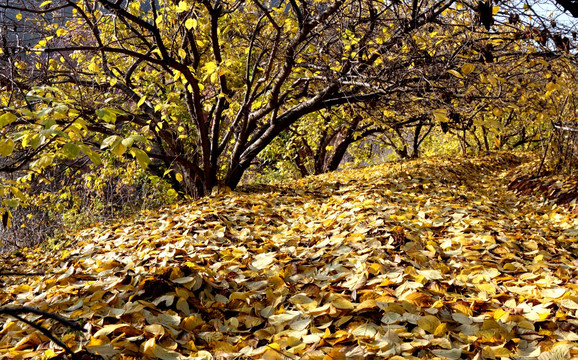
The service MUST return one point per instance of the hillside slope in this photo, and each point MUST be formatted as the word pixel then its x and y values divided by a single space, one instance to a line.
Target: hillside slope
pixel 423 259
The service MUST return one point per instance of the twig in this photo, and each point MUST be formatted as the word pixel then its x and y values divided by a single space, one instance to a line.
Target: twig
pixel 16 311
pixel 22 274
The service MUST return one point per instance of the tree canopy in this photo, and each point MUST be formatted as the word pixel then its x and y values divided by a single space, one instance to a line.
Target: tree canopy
pixel 195 91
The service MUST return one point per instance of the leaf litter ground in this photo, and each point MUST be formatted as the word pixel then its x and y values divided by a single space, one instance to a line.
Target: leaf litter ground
pixel 418 259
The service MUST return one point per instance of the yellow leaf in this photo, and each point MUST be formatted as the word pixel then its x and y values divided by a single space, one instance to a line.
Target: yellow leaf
pixel 210 67
pixel 301 299
pixel 488 288
pixel 141 101
pixel 335 355
pixel 262 261
pixel 284 318
pixel 191 322
pixel 492 79
pixel 366 304
pixel 456 74
pixel 468 68
pixel 419 299
pixel 569 304
pixel 141 157
pixel 191 23
pixel 179 177
pixel 182 7
pixel 222 347
pixel 147 346
pixel 501 314
pixel 165 354
pixel 107 329
pixel 93 67
pixel 429 323
pixel 365 330
pixel 553 293
pixel 441 115
pixel 49 353
pixel 273 352
pixel 6 147
pixel 453 354
pixel 342 303
pixel 441 330
pixel 7 118
pixel 19 16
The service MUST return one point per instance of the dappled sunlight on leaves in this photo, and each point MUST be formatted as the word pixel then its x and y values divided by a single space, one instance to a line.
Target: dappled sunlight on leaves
pixel 425 258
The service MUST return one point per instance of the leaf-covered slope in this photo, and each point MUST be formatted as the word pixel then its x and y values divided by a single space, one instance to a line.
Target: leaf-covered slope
pixel 427 258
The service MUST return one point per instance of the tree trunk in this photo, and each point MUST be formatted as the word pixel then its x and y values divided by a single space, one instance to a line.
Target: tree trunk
pixel 463 142
pixel 192 185
pixel 235 174
pixel 416 142
pixel 486 144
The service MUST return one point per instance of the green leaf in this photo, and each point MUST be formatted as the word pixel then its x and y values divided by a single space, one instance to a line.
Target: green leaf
pixel 110 141
pixel 16 192
pixel 107 115
pixel 128 142
pixel 48 132
pixel 119 149
pixel 13 203
pixel 6 119
pixel 141 157
pixel 70 150
pixel 92 155
pixel 35 142
pixel 138 138
pixel 49 123
pixel 42 163
pixel 42 113
pixel 6 147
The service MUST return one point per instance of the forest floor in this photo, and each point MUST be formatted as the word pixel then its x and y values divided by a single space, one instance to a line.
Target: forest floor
pixel 430 258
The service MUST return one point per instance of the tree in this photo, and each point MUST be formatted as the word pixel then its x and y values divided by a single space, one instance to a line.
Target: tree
pixel 193 90
pixel 470 85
